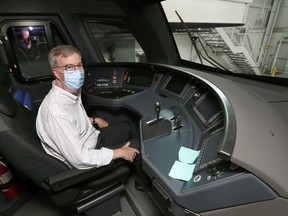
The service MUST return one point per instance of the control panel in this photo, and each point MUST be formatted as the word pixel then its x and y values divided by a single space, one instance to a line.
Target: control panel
pixel 178 109
pixel 117 82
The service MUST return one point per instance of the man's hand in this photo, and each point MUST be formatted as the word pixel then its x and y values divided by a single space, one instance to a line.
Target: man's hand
pixel 101 122
pixel 29 45
pixel 126 152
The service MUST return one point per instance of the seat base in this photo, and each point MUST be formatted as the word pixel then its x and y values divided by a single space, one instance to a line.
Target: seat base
pixel 106 204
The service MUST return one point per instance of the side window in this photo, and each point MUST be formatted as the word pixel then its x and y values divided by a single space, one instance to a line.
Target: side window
pixel 29 44
pixel 116 42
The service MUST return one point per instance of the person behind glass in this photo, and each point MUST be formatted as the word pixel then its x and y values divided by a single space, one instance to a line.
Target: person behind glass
pixel 67 133
pixel 25 44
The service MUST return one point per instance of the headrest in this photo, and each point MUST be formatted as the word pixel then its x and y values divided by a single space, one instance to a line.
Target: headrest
pixel 8 104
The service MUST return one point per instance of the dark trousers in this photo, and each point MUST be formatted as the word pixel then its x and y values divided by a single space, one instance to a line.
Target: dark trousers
pixel 116 136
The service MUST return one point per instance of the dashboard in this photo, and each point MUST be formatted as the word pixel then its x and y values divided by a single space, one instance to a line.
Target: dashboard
pixel 181 107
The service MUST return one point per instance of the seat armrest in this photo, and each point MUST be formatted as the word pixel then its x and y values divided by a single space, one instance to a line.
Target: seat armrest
pixel 68 178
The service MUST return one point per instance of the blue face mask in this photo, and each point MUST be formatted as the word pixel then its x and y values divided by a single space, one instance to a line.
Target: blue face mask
pixel 74 80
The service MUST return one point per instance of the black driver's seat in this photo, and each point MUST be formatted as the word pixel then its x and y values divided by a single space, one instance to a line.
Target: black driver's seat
pixel 93 191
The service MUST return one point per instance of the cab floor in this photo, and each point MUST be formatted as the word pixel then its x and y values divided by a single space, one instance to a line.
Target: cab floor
pixel 133 203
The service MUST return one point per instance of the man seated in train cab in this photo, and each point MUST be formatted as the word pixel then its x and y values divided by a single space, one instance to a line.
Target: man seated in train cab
pixel 67 133
pixel 26 46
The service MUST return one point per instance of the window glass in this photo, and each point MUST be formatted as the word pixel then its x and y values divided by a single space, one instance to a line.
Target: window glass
pixel 116 42
pixel 192 38
pixel 29 44
pixel 246 40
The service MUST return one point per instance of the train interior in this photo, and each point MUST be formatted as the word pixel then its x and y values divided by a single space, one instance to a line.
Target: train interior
pixel 213 142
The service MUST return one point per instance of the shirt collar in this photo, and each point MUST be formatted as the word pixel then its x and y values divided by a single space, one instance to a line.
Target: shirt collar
pixel 66 93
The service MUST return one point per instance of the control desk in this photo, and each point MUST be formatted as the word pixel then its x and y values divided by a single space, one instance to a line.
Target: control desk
pixel 179 109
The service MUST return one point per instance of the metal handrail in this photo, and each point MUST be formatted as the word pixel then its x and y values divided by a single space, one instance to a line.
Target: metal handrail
pixel 245 36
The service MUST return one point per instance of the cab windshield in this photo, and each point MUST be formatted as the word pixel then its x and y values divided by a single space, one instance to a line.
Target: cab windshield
pixel 239 36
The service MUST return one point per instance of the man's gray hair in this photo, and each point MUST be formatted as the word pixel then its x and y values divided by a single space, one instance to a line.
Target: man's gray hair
pixel 61 50
pixel 24 32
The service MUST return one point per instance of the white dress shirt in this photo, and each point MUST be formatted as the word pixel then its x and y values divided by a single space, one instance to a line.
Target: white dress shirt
pixel 66 132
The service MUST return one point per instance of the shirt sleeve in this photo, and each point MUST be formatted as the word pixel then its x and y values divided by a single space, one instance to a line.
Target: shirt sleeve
pixel 77 149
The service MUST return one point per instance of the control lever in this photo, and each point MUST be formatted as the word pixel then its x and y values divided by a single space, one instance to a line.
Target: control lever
pixel 157 110
pixel 175 115
pixel 158 118
pixel 178 123
pixel 158 126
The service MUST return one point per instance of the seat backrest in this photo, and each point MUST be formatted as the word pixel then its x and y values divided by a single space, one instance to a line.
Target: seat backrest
pixel 20 144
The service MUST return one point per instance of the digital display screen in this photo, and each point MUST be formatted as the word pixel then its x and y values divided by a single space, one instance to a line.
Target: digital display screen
pixel 207 108
pixel 101 81
pixel 104 77
pixel 176 85
pixel 139 77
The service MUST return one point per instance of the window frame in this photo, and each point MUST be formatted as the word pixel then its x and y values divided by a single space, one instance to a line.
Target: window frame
pixel 118 23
